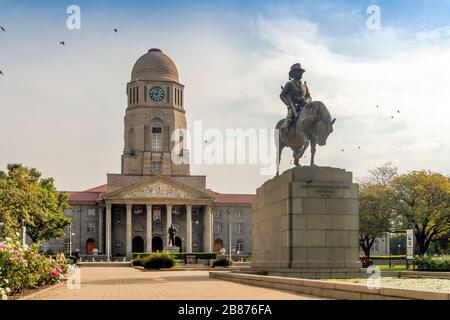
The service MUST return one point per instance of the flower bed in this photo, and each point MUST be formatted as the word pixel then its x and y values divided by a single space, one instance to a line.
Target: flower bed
pixel 22 268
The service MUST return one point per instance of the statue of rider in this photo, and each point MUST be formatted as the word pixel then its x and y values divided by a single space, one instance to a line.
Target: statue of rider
pixel 295 95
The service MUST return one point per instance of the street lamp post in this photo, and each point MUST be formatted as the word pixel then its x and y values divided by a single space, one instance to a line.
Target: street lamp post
pixel 229 233
pixel 24 232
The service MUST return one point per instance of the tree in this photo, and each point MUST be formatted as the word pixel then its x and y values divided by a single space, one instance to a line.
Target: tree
pixel 375 206
pixel 27 198
pixel 422 199
pixel 375 215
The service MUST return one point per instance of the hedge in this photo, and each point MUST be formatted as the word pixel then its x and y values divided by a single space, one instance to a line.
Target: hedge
pixel 433 263
pixel 396 257
pixel 178 255
pixel 222 262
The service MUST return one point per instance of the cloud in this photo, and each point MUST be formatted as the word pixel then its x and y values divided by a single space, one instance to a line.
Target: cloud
pixel 392 71
pixel 65 106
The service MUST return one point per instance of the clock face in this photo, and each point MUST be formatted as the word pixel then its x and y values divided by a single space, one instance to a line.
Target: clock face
pixel 156 94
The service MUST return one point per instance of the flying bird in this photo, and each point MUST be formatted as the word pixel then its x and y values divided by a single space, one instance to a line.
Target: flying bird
pixel 3 29
pixel 377 106
pixel 398 111
pixel 342 150
pixel 392 117
pixel 115 30
pixel 1 73
pixel 359 147
pixel 62 43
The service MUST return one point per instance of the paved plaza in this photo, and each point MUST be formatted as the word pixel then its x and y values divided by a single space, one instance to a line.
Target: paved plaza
pixel 107 283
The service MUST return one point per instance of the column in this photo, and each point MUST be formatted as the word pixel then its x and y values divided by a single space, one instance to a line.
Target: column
pixel 168 221
pixel 100 248
pixel 188 228
pixel 207 225
pixel 108 231
pixel 129 224
pixel 149 230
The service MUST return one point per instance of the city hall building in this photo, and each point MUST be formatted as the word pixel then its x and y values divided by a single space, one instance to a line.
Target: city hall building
pixel 134 209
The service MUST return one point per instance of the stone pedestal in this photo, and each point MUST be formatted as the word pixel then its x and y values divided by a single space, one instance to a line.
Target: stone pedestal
pixel 172 249
pixel 305 223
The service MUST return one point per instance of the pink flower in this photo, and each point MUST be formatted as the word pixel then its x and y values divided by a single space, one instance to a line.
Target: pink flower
pixel 3 245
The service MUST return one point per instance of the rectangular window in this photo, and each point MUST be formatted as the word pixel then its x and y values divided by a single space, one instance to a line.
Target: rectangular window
pixel 66 245
pixel 181 99
pixel 239 246
pixel 145 93
pixel 156 167
pixel 91 227
pixel 239 227
pixel 157 214
pixel 137 94
pixel 238 213
pixel 217 227
pixel 91 212
pixel 129 96
pixel 168 93
pixel 218 213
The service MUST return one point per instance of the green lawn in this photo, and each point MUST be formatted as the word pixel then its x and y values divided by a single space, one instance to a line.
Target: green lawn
pixel 400 267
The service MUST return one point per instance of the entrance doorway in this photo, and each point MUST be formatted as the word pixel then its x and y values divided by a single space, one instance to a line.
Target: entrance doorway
pixel 179 243
pixel 157 244
pixel 138 244
pixel 90 246
pixel 218 245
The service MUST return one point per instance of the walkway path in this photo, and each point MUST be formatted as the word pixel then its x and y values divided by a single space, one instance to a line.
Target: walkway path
pixel 128 283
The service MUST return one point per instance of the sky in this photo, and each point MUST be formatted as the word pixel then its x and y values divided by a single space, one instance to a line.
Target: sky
pixel 62 107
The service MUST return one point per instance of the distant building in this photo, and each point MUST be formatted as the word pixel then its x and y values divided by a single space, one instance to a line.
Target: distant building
pixel 133 210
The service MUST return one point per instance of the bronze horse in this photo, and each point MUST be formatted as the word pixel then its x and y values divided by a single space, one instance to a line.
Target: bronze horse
pixel 313 126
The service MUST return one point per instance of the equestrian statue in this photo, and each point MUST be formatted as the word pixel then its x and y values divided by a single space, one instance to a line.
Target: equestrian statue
pixel 307 123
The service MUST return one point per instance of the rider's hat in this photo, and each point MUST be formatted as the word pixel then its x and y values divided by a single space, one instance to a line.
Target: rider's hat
pixel 296 66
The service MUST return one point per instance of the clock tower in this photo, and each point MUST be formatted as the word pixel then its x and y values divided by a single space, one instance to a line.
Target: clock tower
pixel 155 109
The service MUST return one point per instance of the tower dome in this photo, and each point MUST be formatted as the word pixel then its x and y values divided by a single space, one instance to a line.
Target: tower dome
pixel 155 66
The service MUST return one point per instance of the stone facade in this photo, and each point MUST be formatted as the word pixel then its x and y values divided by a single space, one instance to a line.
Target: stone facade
pixel 305 223
pixel 134 210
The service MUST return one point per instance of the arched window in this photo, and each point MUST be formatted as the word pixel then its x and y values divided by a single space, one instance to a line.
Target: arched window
pixel 156 136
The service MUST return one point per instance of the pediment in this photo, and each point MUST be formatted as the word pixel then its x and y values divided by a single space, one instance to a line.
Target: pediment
pixel 159 188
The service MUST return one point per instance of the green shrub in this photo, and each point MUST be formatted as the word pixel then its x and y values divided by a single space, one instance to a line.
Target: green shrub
pixel 158 261
pixel 222 262
pixel 137 262
pixel 433 263
pixel 392 257
pixel 179 255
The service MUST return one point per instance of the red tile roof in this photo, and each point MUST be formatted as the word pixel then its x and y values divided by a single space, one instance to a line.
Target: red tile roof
pixel 82 197
pixel 87 196
pixel 229 198
pixel 91 195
